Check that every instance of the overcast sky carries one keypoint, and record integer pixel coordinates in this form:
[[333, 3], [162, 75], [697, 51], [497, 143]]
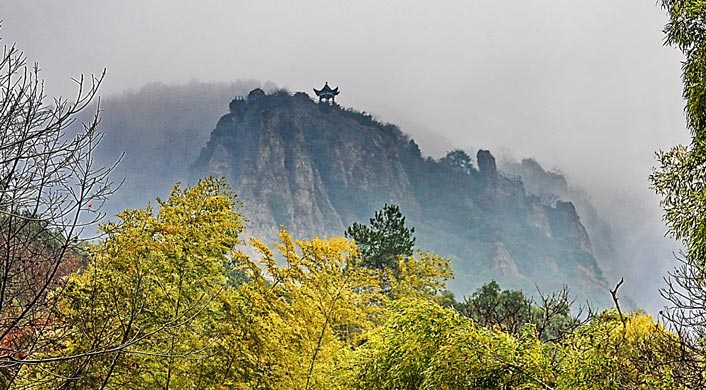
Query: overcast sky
[[585, 87]]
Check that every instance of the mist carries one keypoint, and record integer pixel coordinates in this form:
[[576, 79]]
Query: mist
[[584, 88]]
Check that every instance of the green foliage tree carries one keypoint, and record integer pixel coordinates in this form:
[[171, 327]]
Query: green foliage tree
[[490, 306], [681, 181], [511, 310], [458, 161], [387, 246], [384, 240]]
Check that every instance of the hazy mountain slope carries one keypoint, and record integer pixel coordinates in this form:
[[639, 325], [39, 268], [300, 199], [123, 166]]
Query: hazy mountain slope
[[316, 169], [552, 186], [160, 129]]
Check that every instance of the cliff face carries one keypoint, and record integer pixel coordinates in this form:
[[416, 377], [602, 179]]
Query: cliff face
[[316, 169], [312, 168], [552, 188]]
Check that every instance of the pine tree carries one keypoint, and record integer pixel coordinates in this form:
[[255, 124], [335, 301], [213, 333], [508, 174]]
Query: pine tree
[[384, 240]]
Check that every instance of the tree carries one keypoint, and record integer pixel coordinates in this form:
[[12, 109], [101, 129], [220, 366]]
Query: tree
[[50, 193], [511, 310], [154, 296], [681, 181], [422, 345], [491, 307], [305, 312], [421, 275], [681, 178], [615, 351], [458, 161], [384, 240]]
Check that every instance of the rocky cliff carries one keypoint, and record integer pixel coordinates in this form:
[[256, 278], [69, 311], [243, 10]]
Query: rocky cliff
[[317, 168], [552, 187]]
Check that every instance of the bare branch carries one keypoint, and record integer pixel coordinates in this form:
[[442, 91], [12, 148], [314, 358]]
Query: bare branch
[[50, 193], [614, 294]]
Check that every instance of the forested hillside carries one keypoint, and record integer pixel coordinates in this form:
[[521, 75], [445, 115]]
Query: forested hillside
[[167, 301]]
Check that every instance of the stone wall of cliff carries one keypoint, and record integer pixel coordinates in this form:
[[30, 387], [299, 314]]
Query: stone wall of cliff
[[316, 168]]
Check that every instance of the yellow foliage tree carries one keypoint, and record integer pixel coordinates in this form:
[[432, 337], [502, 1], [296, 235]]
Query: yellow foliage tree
[[423, 275], [303, 312], [168, 301], [155, 291], [611, 352], [425, 346]]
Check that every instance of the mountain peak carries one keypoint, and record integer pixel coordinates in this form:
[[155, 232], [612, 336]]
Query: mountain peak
[[316, 168]]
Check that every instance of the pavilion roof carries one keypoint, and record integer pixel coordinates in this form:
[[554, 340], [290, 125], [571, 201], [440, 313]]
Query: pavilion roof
[[326, 91]]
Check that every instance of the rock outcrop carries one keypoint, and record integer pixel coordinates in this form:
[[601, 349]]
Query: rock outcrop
[[311, 168], [486, 163], [552, 189]]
